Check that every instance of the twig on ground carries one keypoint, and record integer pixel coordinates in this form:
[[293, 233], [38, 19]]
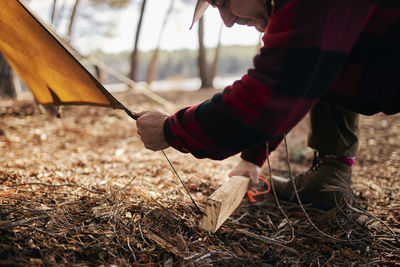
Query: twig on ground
[[123, 188], [277, 200], [58, 185], [10, 225], [358, 210], [130, 248], [203, 257], [267, 240], [330, 259], [238, 219]]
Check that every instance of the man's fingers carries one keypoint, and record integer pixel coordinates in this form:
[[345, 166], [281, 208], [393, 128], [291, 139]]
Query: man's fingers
[[238, 173], [253, 178], [155, 146], [254, 182], [141, 113]]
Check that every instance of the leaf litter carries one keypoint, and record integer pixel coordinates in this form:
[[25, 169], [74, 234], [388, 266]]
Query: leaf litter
[[81, 190]]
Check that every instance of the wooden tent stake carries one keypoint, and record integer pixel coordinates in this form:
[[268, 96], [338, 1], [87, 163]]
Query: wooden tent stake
[[221, 204]]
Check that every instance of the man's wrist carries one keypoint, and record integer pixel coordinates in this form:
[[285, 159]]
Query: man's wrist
[[171, 139], [168, 135]]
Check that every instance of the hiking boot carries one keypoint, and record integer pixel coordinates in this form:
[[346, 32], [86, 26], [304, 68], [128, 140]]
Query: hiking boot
[[324, 185]]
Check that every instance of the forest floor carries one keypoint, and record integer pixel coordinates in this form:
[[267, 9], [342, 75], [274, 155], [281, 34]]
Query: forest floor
[[81, 190]]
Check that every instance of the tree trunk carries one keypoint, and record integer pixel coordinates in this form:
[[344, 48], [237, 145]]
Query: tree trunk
[[202, 60], [72, 19], [7, 88], [214, 67], [53, 12], [134, 55], [151, 71]]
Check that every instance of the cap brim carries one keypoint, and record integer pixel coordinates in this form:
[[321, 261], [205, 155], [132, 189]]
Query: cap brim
[[201, 7]]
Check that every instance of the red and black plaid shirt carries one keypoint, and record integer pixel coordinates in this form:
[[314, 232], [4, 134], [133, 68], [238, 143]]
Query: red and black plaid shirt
[[341, 52]]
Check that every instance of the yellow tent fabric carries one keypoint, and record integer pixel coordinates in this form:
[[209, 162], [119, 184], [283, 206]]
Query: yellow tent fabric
[[50, 71]]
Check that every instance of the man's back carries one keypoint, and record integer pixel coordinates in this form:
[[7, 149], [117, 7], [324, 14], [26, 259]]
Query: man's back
[[369, 82]]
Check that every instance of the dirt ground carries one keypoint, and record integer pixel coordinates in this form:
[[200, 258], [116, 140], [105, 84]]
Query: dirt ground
[[81, 190]]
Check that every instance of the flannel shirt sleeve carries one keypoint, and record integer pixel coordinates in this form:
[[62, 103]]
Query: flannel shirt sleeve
[[305, 45]]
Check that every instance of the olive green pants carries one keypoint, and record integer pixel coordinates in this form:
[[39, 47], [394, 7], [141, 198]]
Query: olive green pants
[[333, 131]]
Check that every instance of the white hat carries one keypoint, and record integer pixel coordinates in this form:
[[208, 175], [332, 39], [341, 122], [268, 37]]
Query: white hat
[[199, 11]]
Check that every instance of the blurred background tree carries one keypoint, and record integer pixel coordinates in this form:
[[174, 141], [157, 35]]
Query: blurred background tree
[[7, 80], [134, 56], [205, 77], [152, 69]]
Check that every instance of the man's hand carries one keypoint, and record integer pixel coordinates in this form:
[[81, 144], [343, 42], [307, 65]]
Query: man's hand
[[247, 169], [150, 125]]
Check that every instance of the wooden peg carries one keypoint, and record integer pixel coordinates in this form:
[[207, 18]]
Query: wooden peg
[[221, 204]]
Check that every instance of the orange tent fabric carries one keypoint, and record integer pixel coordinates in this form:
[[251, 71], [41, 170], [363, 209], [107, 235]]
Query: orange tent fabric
[[50, 71]]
